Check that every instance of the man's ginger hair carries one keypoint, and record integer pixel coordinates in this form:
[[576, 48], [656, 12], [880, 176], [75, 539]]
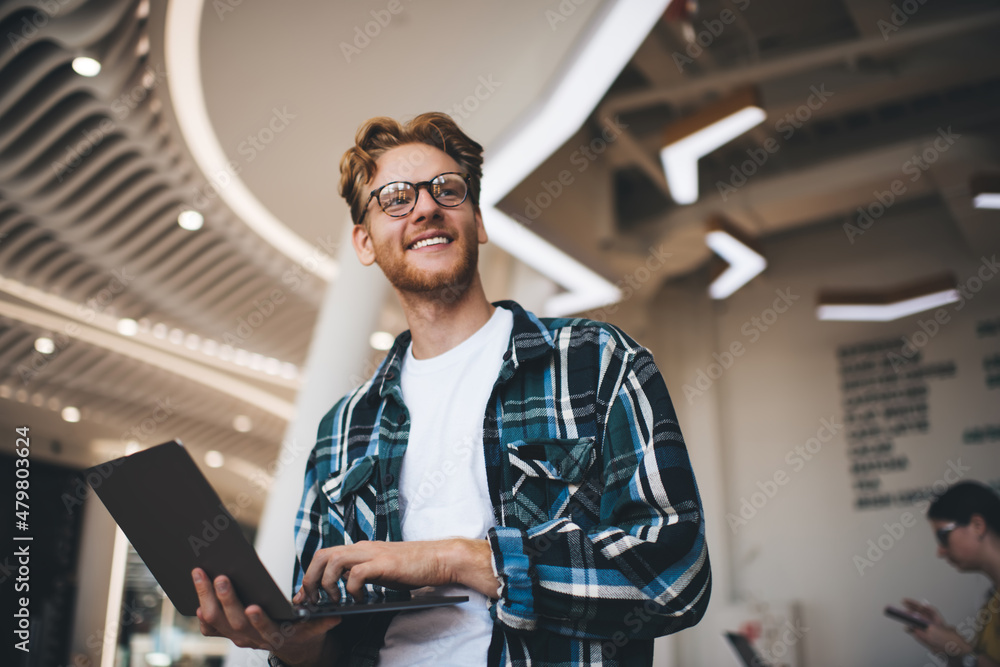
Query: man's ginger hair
[[378, 135]]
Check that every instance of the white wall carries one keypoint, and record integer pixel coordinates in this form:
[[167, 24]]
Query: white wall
[[800, 544]]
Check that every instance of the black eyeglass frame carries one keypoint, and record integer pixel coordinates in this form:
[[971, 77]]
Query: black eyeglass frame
[[944, 532], [416, 188]]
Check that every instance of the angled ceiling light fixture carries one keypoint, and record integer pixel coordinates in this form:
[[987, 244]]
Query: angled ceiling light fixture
[[732, 245], [985, 190], [887, 304], [691, 138]]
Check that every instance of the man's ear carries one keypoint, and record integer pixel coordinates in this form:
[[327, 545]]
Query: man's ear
[[480, 227], [363, 246]]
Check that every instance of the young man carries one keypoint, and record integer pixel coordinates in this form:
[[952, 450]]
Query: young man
[[535, 465]]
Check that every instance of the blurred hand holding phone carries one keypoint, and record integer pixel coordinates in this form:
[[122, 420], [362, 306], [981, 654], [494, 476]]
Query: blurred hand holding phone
[[911, 619]]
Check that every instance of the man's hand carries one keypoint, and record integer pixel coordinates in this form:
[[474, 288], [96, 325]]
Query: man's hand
[[222, 615], [400, 565]]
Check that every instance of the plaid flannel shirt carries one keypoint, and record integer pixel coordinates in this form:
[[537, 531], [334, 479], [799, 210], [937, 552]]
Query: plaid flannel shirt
[[599, 541]]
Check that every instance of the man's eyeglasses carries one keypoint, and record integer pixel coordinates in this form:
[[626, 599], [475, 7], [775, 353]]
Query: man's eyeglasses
[[943, 532], [398, 198]]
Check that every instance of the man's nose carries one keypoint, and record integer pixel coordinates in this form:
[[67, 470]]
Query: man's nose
[[426, 206]]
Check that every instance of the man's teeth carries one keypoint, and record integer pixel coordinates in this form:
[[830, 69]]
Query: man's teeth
[[432, 241]]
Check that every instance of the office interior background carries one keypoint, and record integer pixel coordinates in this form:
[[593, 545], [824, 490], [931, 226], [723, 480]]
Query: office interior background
[[818, 285]]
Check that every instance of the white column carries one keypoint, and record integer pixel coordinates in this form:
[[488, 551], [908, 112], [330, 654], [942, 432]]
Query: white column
[[337, 355], [99, 596]]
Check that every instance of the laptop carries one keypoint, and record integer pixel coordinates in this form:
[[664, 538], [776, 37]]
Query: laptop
[[748, 656], [176, 522]]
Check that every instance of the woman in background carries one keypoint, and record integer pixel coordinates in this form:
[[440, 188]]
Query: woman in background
[[966, 522]]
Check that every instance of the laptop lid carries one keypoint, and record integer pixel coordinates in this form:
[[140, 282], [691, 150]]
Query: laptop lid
[[176, 522], [748, 656]]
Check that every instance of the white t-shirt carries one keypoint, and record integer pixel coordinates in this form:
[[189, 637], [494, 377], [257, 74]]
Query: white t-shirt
[[443, 491]]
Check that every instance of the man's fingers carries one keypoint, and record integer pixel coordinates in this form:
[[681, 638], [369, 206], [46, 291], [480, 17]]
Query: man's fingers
[[312, 579], [206, 629], [231, 605], [265, 627], [209, 611], [358, 577]]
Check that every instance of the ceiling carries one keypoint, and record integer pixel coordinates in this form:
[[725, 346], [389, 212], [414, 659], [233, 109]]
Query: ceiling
[[94, 171]]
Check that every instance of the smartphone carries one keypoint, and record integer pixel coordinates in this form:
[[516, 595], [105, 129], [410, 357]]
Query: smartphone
[[897, 614]]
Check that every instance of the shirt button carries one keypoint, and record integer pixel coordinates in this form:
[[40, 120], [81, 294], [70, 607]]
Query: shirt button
[[401, 419], [388, 479], [506, 355]]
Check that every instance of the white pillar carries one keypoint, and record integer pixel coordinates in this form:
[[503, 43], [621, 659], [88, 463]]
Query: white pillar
[[337, 354], [99, 595]]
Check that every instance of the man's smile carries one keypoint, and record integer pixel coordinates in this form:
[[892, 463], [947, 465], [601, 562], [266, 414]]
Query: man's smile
[[429, 240]]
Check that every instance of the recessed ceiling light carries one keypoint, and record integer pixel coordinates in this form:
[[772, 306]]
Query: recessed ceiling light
[[71, 414], [987, 200], [190, 220], [745, 263], [45, 345], [159, 659], [890, 304], [142, 46], [214, 459], [381, 340], [242, 423], [85, 66], [986, 190], [127, 326], [691, 138]]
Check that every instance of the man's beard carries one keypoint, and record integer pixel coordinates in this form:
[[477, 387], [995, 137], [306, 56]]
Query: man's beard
[[448, 286]]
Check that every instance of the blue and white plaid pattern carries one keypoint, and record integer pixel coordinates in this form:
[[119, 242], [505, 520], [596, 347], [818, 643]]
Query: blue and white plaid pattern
[[599, 538]]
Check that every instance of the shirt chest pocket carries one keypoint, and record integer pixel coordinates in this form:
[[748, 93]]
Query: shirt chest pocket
[[352, 495], [549, 476]]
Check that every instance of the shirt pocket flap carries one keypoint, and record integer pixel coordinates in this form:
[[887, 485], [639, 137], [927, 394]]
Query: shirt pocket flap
[[350, 480], [566, 459]]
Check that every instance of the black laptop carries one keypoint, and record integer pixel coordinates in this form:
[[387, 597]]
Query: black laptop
[[176, 522], [748, 656]]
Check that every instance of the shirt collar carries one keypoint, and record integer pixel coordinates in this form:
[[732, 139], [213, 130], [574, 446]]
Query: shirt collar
[[529, 339]]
